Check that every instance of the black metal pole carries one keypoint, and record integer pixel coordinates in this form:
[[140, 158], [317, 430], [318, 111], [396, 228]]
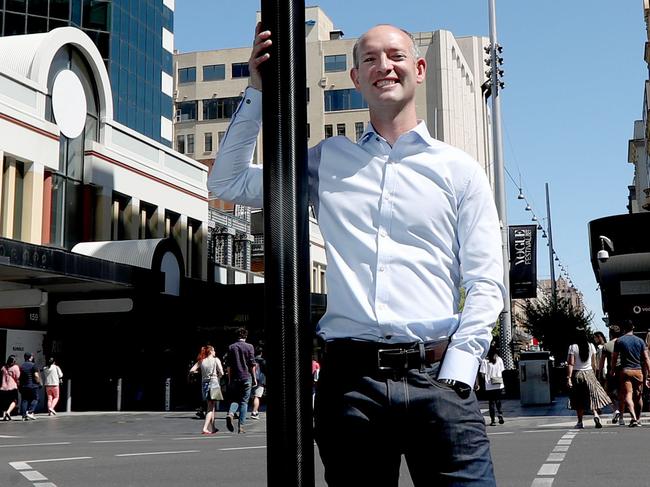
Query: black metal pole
[[290, 452]]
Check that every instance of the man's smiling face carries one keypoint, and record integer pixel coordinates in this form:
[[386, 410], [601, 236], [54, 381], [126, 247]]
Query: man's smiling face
[[388, 71]]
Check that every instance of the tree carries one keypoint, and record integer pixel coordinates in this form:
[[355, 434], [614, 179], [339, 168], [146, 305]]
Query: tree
[[553, 323]]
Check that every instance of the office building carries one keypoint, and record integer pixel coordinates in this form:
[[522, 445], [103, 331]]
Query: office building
[[135, 41]]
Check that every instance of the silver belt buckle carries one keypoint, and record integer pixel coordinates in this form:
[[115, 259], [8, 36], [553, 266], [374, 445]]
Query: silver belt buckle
[[400, 351]]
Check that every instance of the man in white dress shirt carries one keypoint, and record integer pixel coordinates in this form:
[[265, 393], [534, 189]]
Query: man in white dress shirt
[[407, 221]]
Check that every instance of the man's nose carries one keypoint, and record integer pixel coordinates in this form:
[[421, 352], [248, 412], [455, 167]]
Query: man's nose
[[385, 64]]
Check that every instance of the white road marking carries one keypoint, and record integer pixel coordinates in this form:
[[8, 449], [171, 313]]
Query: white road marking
[[156, 453], [34, 444], [44, 484], [9, 436], [57, 459], [556, 457], [243, 448], [20, 465], [119, 441], [542, 482], [549, 469], [502, 433], [553, 462], [33, 475]]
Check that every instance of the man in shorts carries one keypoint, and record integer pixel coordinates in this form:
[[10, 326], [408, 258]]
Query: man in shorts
[[634, 372]]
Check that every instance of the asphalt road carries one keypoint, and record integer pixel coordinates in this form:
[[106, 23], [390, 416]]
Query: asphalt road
[[532, 448]]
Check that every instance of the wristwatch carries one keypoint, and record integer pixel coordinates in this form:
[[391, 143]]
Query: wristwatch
[[461, 388]]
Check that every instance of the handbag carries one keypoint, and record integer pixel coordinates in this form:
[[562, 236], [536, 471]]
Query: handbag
[[215, 386], [496, 380]]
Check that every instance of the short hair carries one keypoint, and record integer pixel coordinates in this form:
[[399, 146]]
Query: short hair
[[27, 355], [415, 50], [627, 326], [242, 333]]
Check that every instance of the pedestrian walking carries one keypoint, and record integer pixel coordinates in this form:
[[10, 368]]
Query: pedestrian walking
[[9, 387], [30, 382], [609, 370], [586, 392], [241, 379], [315, 375], [492, 370], [211, 371], [260, 374], [599, 343], [633, 374], [407, 221], [52, 379]]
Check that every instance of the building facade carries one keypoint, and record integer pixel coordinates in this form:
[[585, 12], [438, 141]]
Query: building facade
[[209, 86], [135, 41]]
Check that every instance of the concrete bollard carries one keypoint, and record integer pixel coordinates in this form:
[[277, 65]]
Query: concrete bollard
[[119, 394], [168, 395], [68, 396]]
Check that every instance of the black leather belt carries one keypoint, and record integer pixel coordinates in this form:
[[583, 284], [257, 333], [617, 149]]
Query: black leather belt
[[384, 357]]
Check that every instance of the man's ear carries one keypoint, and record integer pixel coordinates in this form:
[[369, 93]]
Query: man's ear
[[421, 69], [354, 76]]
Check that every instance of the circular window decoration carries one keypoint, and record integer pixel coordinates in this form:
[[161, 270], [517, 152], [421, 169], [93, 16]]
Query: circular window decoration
[[69, 104]]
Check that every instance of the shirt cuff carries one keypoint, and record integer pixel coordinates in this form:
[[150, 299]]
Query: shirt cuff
[[460, 366], [251, 105]]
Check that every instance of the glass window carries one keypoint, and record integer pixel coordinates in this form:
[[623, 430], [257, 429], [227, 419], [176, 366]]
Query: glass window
[[340, 129], [76, 12], [207, 142], [96, 14], [214, 72], [240, 70], [36, 24], [36, 7], [56, 23], [220, 136], [220, 108], [328, 131], [14, 24], [346, 99], [308, 131], [186, 111], [187, 75], [358, 130], [16, 5], [60, 9], [190, 143], [335, 63], [180, 143]]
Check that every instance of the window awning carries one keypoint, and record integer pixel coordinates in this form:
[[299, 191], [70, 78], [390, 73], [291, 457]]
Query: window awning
[[624, 266], [160, 254]]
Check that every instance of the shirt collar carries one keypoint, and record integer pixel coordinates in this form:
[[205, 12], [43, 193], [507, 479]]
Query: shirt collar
[[420, 132]]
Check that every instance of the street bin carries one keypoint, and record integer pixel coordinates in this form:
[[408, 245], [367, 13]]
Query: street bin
[[534, 378]]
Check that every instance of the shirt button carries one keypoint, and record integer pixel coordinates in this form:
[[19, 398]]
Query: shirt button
[[248, 101], [383, 233], [387, 197], [377, 139], [382, 268]]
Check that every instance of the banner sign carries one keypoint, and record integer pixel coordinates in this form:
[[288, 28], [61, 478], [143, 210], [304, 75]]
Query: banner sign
[[523, 261]]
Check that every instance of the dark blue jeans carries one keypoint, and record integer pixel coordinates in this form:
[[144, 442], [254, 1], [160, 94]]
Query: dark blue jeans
[[28, 400], [364, 424], [241, 394]]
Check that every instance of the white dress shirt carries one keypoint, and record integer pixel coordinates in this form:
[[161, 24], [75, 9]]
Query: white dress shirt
[[404, 228]]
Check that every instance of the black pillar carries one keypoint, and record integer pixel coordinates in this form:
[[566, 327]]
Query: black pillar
[[290, 452]]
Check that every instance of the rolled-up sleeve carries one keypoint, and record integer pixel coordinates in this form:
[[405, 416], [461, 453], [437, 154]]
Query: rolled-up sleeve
[[481, 263]]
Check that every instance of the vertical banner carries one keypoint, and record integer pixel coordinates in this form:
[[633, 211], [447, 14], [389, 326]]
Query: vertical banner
[[523, 261]]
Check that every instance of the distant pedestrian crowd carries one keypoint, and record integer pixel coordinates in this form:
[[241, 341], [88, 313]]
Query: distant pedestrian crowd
[[22, 384]]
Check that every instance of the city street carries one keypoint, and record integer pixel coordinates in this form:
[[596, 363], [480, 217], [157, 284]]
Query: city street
[[535, 447]]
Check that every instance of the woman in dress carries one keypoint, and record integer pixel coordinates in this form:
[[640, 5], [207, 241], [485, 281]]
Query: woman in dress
[[52, 377], [211, 371], [9, 387], [585, 391], [492, 370]]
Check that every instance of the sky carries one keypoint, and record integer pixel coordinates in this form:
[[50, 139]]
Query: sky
[[574, 75]]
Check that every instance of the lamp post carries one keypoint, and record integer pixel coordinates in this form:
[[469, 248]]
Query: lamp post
[[505, 320], [550, 248]]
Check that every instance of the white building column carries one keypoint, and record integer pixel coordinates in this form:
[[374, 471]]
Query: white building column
[[8, 197]]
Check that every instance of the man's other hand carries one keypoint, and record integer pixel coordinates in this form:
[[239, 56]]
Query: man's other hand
[[261, 43]]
